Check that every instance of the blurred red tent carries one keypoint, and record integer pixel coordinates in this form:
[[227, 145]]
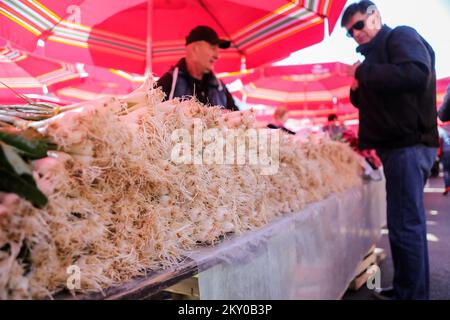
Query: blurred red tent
[[98, 82], [41, 79], [25, 74], [308, 91], [441, 88], [114, 34]]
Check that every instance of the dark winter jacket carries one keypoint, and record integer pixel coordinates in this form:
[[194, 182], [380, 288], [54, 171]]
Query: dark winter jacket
[[396, 97], [209, 90]]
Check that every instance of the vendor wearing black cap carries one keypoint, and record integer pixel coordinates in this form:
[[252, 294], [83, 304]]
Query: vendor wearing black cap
[[193, 75]]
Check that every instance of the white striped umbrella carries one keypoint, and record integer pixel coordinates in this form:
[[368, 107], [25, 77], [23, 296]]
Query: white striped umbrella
[[121, 34]]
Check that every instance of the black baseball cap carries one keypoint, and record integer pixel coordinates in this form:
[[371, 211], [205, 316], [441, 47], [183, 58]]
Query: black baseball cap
[[204, 33]]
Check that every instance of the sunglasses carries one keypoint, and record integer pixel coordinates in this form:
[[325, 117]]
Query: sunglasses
[[357, 26]]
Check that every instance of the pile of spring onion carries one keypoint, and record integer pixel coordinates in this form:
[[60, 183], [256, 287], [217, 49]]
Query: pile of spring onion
[[118, 206]]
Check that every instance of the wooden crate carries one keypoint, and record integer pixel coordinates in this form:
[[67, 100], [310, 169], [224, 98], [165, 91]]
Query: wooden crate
[[381, 255], [365, 269], [187, 289]]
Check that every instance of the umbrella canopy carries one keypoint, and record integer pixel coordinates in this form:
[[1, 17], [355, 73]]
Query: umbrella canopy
[[22, 73], [441, 87], [114, 34], [50, 80], [97, 82], [17, 79], [24, 22], [306, 90]]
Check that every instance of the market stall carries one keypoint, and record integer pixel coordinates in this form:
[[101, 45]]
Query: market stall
[[121, 193], [92, 32], [311, 254]]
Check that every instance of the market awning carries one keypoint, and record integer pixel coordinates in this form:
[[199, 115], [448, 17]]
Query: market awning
[[441, 88], [23, 73], [308, 91], [114, 34]]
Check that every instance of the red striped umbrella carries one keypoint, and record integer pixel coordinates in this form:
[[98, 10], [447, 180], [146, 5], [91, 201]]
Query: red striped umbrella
[[22, 73], [308, 91], [99, 82], [50, 80], [114, 33], [23, 22], [441, 88]]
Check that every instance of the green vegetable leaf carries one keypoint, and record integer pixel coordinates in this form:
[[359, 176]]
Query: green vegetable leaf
[[11, 182], [29, 142]]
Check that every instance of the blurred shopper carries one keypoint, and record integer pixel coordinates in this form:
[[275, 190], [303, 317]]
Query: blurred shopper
[[444, 110], [334, 128], [395, 92], [193, 75], [444, 131], [280, 117]]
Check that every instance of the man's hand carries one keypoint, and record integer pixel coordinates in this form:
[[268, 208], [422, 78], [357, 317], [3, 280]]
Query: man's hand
[[351, 71], [355, 85], [8, 203]]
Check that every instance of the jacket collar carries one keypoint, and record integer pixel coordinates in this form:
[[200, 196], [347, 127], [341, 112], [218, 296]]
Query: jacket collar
[[366, 48], [209, 78]]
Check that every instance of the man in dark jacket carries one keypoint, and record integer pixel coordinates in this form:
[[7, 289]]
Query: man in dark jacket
[[193, 75], [395, 92]]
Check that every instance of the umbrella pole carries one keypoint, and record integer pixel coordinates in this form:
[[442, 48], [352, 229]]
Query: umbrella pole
[[148, 60], [326, 27]]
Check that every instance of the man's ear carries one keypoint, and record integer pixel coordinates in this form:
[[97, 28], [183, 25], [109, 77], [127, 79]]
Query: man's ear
[[197, 46], [192, 50], [377, 20], [374, 21]]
